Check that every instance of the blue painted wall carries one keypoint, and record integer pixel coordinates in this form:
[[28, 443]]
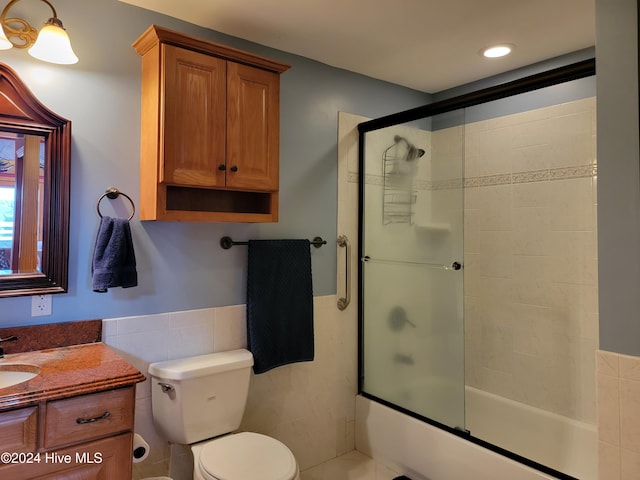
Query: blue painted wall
[[618, 175], [181, 265]]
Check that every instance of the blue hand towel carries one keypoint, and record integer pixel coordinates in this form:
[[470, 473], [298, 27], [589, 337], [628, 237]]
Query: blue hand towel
[[279, 303], [114, 261]]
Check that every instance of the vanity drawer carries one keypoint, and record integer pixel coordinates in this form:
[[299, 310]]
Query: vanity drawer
[[18, 430], [105, 459], [90, 416]]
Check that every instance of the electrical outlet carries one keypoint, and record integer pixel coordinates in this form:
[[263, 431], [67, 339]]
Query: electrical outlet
[[40, 305]]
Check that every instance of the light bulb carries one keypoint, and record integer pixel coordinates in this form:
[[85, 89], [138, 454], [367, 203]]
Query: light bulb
[[5, 44]]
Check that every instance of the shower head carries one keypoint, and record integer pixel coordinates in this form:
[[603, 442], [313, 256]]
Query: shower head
[[398, 319]]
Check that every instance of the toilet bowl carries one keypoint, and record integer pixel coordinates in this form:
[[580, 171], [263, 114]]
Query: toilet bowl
[[243, 456], [199, 401]]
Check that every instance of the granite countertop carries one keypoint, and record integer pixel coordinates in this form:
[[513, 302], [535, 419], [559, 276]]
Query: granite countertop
[[66, 372]]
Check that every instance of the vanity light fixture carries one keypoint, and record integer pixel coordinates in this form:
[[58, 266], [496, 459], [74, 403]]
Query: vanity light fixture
[[51, 44], [496, 51]]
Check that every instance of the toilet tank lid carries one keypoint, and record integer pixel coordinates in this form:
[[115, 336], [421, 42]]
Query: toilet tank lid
[[201, 365]]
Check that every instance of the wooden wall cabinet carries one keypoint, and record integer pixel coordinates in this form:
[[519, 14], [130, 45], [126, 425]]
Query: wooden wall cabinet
[[85, 437], [210, 131]]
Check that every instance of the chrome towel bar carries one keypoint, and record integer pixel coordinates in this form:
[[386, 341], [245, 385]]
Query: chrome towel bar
[[227, 242]]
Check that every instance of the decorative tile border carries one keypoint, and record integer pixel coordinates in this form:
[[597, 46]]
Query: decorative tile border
[[564, 173], [529, 177]]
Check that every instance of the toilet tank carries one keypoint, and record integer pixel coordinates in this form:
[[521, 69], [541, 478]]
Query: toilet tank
[[200, 397]]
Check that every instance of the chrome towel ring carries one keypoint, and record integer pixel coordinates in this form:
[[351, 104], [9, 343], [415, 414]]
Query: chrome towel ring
[[113, 193]]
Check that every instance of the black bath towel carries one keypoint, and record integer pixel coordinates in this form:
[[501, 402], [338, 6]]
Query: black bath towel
[[114, 261], [279, 303]]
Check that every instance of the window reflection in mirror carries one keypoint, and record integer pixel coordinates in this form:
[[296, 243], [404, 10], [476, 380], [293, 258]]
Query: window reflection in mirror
[[21, 202]]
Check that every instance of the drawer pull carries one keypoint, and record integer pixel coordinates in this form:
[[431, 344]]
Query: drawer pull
[[81, 421]]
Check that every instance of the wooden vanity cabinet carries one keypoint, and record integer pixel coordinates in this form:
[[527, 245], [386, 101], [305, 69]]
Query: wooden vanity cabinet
[[84, 437], [210, 131]]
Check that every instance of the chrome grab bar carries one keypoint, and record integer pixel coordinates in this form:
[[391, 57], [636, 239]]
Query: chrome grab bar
[[344, 302]]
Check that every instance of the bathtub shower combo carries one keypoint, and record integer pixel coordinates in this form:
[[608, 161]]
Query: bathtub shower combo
[[461, 323]]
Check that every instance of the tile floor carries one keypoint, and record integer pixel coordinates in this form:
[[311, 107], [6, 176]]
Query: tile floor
[[350, 466]]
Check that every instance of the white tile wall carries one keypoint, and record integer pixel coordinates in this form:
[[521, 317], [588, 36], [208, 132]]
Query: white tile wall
[[309, 406], [531, 310], [618, 416]]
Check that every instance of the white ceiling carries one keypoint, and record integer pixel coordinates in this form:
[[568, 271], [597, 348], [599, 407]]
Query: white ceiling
[[428, 45]]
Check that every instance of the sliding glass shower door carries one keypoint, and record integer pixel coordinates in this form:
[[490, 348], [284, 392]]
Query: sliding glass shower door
[[411, 248]]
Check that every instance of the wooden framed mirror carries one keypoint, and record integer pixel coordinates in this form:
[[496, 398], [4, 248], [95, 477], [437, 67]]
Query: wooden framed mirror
[[35, 151]]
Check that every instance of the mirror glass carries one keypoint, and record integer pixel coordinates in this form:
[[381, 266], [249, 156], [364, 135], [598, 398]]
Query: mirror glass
[[34, 192], [21, 202]]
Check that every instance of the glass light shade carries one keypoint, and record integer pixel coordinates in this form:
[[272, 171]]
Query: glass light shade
[[53, 45], [5, 44]]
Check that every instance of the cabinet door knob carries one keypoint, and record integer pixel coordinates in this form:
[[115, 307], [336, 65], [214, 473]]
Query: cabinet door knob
[[234, 168], [222, 167]]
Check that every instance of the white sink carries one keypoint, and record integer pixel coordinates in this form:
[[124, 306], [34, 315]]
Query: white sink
[[12, 373]]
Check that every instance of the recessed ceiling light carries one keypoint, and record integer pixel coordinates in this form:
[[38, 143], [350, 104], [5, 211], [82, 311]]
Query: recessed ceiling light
[[496, 51]]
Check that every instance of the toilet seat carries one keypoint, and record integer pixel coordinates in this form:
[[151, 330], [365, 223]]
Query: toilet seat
[[246, 456]]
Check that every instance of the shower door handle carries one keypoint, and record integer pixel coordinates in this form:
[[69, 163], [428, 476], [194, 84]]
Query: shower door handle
[[344, 302]]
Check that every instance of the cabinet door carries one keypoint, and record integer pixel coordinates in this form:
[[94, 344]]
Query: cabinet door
[[106, 459], [253, 125], [18, 430], [193, 143]]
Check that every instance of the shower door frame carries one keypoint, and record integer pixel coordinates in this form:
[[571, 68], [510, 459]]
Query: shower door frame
[[574, 71]]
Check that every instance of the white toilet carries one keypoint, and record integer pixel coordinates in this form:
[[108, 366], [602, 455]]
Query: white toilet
[[199, 401]]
